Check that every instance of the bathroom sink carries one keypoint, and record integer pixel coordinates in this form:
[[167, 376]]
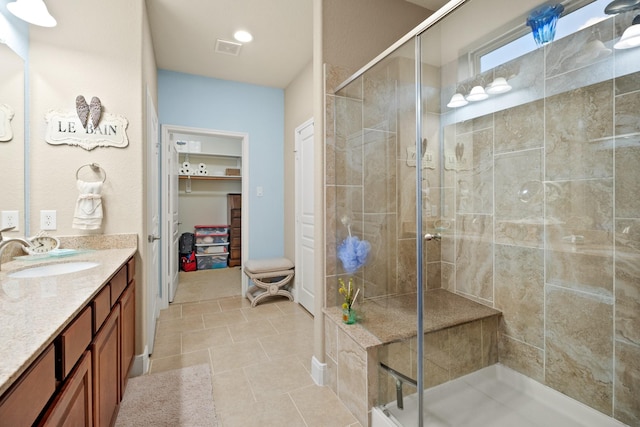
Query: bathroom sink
[[53, 269]]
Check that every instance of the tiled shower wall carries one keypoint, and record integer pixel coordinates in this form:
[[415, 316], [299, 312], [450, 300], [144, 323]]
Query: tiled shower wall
[[543, 207], [547, 221]]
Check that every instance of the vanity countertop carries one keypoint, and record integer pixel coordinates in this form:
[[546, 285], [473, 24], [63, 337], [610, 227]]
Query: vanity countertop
[[34, 311]]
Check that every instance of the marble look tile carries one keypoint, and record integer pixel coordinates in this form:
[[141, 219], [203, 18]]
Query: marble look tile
[[198, 308], [474, 257], [180, 324], [628, 83], [352, 387], [571, 141], [379, 98], [231, 390], [466, 349], [566, 53], [627, 185], [273, 377], [519, 288], [580, 271], [433, 275], [379, 172], [204, 338], [178, 361], [489, 340], [320, 407], [627, 280], [230, 317], [331, 223], [331, 339], [579, 346], [292, 343], [582, 207], [519, 197], [521, 357], [399, 356], [627, 384], [251, 330], [167, 345], [237, 355], [262, 413], [330, 140], [380, 272], [406, 257], [626, 118], [519, 128], [334, 75], [474, 186]]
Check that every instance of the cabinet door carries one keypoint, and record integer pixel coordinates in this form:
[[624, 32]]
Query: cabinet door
[[73, 405], [105, 352], [22, 404], [128, 333]]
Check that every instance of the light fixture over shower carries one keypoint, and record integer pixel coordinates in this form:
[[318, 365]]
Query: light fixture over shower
[[32, 11]]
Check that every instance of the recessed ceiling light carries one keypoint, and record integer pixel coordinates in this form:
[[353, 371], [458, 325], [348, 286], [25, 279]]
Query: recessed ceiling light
[[243, 36]]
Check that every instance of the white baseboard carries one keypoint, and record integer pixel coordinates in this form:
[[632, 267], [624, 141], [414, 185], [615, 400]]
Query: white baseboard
[[140, 364], [318, 371]]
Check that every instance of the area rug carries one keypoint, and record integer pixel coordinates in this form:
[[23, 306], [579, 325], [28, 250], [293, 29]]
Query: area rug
[[181, 397]]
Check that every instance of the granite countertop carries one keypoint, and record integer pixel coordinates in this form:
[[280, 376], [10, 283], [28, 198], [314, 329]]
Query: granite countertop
[[386, 320], [33, 311]]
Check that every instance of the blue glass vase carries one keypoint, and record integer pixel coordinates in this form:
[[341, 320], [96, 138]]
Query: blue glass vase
[[543, 22]]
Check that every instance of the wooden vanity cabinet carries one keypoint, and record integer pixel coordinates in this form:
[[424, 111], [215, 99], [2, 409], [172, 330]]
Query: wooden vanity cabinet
[[79, 380], [22, 403]]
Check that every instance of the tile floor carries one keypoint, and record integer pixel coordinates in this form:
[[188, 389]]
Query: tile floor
[[260, 357]]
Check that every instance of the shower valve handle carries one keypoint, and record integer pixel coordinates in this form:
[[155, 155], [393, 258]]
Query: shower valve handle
[[428, 237]]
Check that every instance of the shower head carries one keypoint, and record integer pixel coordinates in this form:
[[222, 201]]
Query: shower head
[[620, 6]]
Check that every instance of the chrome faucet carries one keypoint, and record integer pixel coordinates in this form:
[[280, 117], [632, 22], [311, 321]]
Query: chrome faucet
[[5, 242]]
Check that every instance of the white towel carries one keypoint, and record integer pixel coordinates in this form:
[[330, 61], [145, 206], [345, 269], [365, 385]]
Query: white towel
[[88, 214]]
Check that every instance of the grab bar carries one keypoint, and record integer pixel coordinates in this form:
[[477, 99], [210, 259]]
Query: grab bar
[[400, 379]]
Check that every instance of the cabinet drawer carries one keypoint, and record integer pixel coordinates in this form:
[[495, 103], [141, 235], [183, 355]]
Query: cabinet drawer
[[101, 307], [131, 270], [236, 213], [236, 223], [235, 241], [73, 342], [235, 253], [21, 405], [118, 283]]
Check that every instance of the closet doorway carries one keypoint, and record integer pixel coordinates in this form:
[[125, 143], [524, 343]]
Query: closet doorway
[[200, 168]]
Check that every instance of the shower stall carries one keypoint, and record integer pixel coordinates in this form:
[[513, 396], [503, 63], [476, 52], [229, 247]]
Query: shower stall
[[495, 177]]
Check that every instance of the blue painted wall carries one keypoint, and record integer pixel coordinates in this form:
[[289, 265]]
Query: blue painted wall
[[189, 100]]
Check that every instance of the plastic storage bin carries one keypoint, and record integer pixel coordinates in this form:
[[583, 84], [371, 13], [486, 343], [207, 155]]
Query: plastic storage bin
[[208, 239], [208, 230], [218, 248], [208, 262]]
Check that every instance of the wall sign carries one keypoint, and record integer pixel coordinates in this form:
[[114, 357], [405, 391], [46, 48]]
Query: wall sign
[[6, 114], [65, 127]]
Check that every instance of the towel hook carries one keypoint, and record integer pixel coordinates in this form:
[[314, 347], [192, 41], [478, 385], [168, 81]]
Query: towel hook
[[95, 168]]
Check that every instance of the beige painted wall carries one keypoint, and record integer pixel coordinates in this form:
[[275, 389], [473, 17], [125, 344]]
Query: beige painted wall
[[112, 58], [356, 31], [298, 108]]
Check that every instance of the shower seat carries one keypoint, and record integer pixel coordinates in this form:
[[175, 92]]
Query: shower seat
[[271, 277]]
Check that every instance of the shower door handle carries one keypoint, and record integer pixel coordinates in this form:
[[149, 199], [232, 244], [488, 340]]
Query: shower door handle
[[428, 237]]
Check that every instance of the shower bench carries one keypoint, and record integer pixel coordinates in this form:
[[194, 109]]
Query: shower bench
[[460, 337]]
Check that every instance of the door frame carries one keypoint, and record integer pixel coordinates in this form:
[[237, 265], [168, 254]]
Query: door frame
[[166, 234]]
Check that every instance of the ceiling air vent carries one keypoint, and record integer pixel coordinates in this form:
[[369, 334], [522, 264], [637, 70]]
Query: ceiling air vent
[[227, 47]]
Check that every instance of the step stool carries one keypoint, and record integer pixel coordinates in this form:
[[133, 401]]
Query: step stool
[[270, 276]]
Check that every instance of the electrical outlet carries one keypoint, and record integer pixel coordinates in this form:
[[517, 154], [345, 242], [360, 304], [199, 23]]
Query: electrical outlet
[[48, 220], [10, 219]]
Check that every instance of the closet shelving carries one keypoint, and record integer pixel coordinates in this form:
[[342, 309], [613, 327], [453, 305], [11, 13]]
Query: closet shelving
[[216, 165]]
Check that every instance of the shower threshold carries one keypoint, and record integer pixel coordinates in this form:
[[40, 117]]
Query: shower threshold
[[493, 396]]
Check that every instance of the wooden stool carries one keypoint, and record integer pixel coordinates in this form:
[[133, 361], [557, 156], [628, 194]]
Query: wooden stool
[[270, 277]]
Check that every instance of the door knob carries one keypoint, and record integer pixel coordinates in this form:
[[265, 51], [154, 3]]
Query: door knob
[[429, 237], [151, 238]]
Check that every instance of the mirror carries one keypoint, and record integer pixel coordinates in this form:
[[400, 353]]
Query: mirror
[[12, 135]]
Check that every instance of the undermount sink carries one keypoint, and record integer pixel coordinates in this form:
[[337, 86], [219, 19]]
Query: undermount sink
[[53, 269]]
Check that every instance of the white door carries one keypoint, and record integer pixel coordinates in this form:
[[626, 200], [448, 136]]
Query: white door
[[304, 282], [171, 265], [154, 290]]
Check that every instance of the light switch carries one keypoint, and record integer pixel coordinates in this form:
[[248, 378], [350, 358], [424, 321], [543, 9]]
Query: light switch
[[259, 192]]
